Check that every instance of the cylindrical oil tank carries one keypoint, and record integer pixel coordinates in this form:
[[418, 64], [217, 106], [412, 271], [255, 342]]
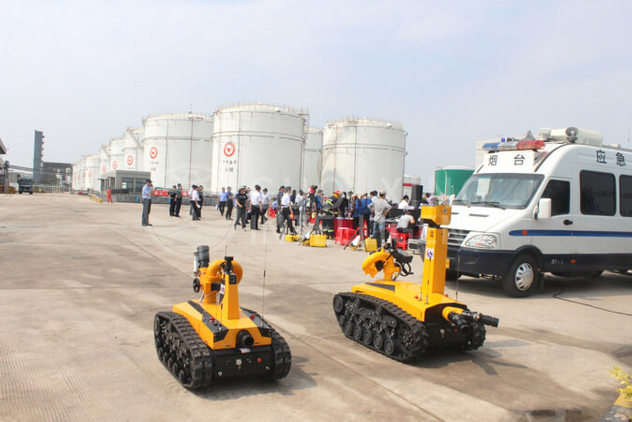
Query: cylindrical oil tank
[[449, 180], [92, 172], [104, 163], [257, 143], [116, 153], [311, 157], [177, 148], [79, 175], [362, 155], [133, 149]]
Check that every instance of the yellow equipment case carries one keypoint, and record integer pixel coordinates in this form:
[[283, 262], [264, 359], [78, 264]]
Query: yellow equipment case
[[203, 340], [318, 240]]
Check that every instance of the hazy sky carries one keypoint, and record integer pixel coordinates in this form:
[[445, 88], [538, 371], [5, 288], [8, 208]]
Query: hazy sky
[[450, 71]]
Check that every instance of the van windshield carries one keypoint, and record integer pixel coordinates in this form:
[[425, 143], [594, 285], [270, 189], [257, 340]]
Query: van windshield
[[500, 190]]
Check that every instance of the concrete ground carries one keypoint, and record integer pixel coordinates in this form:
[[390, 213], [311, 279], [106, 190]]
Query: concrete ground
[[80, 283]]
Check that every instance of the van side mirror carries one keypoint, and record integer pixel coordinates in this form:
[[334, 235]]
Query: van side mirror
[[544, 209]]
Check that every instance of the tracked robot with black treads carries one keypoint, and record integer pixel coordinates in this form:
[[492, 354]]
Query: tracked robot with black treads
[[403, 320], [213, 338]]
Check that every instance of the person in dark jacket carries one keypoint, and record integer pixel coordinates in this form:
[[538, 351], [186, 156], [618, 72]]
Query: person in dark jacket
[[241, 202], [230, 203], [172, 201], [201, 193]]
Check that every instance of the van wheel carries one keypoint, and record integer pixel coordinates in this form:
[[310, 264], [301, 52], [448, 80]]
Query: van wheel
[[523, 276]]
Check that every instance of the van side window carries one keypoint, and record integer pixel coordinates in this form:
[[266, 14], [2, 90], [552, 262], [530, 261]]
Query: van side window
[[625, 193], [597, 193], [560, 193]]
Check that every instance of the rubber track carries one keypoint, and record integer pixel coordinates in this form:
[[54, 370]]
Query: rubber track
[[417, 327], [280, 350], [199, 373]]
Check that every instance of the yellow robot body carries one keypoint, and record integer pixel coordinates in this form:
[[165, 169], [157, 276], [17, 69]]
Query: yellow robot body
[[403, 319], [203, 340]]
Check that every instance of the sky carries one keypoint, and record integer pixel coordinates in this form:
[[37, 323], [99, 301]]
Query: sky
[[452, 72]]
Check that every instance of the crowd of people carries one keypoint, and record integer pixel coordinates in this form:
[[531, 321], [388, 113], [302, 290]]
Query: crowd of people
[[295, 208]]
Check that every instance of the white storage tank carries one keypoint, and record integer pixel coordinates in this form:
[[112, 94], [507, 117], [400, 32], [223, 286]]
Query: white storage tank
[[116, 153], [177, 148], [362, 155], [79, 175], [104, 164], [257, 143], [92, 172], [312, 157], [133, 150]]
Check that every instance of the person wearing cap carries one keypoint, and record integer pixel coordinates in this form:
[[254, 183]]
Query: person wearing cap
[[148, 192], [241, 200], [256, 199], [230, 203], [195, 203], [265, 204]]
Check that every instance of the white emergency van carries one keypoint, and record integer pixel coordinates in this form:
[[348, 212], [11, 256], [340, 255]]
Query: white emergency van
[[562, 204]]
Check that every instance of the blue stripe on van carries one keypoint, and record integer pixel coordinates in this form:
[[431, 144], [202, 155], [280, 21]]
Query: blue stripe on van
[[569, 233]]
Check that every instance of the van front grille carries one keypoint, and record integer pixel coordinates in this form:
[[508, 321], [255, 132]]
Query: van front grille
[[456, 237]]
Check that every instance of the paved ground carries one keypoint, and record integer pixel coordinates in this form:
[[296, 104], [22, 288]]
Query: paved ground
[[80, 283]]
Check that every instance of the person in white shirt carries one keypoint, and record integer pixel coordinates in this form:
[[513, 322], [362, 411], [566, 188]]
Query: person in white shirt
[[255, 207], [148, 192], [265, 204], [195, 203], [404, 204], [286, 203], [405, 222]]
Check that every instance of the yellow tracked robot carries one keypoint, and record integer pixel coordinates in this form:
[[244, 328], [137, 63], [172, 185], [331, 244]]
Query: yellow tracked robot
[[211, 338], [401, 319]]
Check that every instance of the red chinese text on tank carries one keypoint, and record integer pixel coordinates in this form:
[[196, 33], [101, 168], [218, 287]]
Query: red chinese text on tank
[[90, 173], [103, 169], [229, 149], [130, 160], [114, 165], [153, 152]]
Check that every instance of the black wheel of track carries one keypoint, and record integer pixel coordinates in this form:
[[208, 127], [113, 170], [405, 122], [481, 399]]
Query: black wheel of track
[[367, 337], [182, 352], [405, 340], [281, 356], [156, 328], [397, 334], [389, 347], [339, 304], [348, 328], [378, 341], [357, 332], [478, 337], [341, 320]]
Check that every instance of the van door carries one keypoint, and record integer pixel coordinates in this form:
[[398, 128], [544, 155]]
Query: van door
[[554, 237], [595, 218]]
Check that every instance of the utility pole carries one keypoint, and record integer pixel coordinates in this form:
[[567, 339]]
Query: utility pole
[[6, 176], [38, 156]]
